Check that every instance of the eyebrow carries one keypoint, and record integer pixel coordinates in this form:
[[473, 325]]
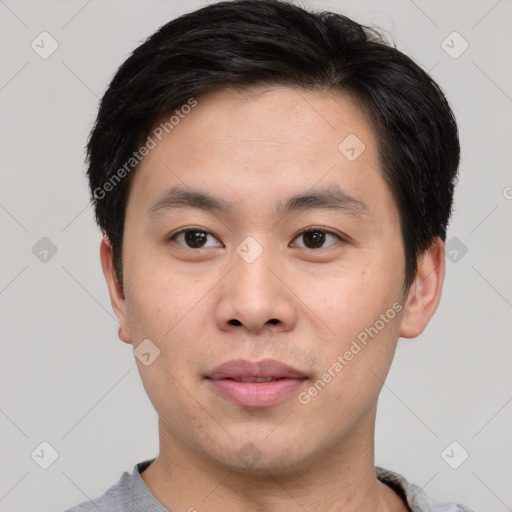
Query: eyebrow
[[328, 198]]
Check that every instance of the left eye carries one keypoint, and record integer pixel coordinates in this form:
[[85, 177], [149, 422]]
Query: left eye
[[315, 238]]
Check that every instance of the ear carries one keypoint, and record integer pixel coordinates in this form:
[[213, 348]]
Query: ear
[[115, 291], [425, 293]]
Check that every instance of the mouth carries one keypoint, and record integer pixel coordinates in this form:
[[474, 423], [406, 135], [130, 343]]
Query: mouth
[[255, 384], [256, 379]]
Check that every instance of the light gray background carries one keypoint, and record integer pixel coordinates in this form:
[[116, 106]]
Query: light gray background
[[68, 380]]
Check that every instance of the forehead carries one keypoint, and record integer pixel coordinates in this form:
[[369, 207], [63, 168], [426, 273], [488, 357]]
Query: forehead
[[259, 145]]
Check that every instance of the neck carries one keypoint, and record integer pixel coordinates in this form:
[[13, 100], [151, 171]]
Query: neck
[[342, 478]]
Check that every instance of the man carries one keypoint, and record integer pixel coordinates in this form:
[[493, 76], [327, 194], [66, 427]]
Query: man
[[274, 187]]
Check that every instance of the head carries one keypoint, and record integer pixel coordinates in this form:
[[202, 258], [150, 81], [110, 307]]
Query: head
[[254, 103]]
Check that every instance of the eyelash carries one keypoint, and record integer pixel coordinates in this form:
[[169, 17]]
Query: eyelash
[[340, 237]]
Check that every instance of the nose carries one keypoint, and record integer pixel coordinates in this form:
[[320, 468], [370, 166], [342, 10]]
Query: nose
[[255, 296]]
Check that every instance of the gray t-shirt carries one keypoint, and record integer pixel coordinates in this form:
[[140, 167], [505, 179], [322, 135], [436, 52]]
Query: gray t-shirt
[[131, 494]]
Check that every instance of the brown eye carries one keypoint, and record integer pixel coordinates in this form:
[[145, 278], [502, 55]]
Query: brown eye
[[192, 238], [316, 238]]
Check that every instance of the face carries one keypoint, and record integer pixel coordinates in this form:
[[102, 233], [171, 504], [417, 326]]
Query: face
[[250, 274]]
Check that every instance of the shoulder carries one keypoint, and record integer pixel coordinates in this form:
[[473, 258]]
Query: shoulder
[[414, 495], [116, 499], [129, 494]]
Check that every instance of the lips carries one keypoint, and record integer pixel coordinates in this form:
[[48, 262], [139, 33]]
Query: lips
[[247, 371], [256, 384]]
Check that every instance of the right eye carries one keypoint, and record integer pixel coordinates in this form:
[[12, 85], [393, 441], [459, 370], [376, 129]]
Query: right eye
[[193, 238]]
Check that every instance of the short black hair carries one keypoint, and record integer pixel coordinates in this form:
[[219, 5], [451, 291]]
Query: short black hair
[[245, 43]]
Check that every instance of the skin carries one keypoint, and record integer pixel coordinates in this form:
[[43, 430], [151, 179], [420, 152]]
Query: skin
[[244, 147]]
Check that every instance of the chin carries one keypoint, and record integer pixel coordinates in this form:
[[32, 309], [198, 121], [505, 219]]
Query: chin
[[260, 457]]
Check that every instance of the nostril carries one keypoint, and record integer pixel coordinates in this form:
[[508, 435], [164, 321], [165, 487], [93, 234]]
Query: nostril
[[234, 321]]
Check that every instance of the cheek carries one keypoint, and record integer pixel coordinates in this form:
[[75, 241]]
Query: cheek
[[166, 308], [351, 299], [173, 311], [161, 299], [362, 311]]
